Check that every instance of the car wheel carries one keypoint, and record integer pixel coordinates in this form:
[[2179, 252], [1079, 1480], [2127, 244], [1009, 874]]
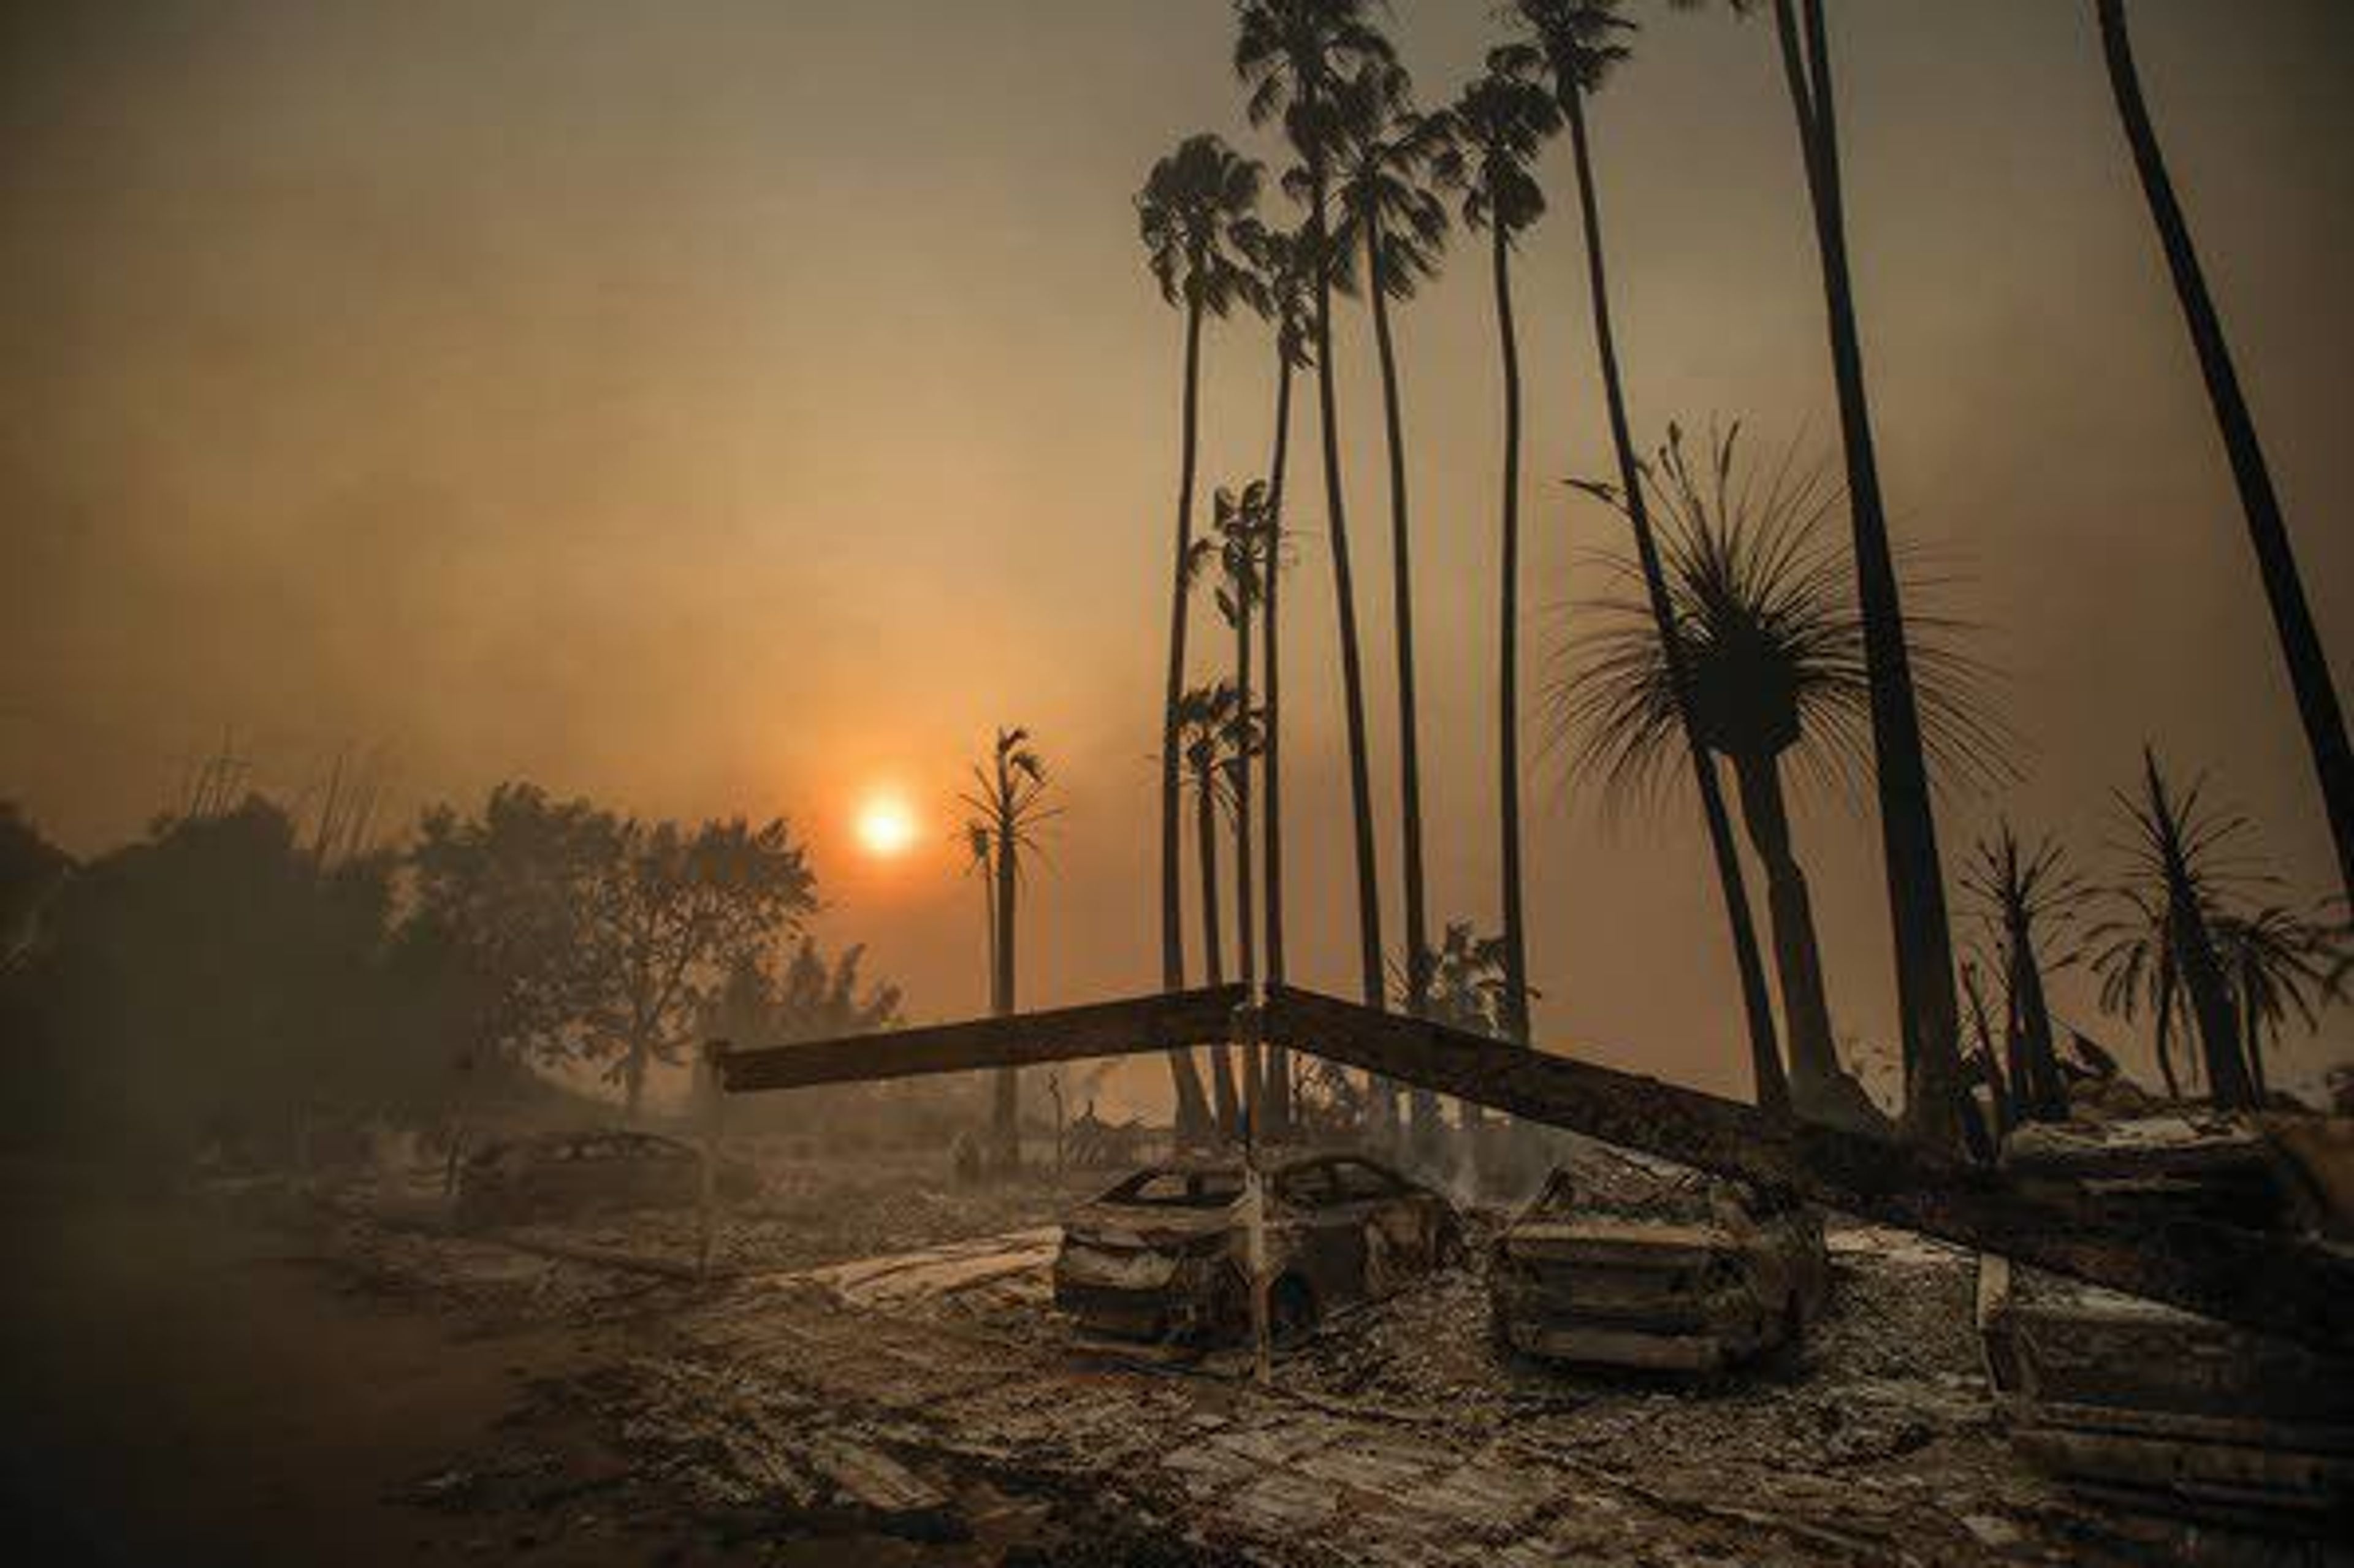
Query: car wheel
[[1291, 1312]]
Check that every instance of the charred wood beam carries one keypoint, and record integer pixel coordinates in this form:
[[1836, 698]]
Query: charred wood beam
[[1125, 1028], [2287, 1284]]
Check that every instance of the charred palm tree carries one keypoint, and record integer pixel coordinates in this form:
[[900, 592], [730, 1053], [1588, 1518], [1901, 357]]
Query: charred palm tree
[[1292, 56], [2300, 642], [2281, 961], [2180, 866], [1191, 212], [1575, 47], [1391, 220], [2026, 899], [1773, 666], [1495, 133], [1008, 801], [1206, 717]]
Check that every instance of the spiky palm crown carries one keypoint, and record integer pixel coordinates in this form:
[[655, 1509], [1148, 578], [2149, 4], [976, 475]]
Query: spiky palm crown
[[2016, 890], [1494, 136], [1760, 590], [1382, 155], [1242, 546], [2180, 854], [1575, 43], [2285, 961], [1291, 55], [1212, 734], [1008, 793], [1191, 214]]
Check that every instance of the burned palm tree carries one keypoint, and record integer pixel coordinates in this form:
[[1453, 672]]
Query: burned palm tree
[[2180, 866], [2026, 897], [1773, 670], [1293, 55], [2283, 962], [1495, 131], [1008, 803], [1207, 734]]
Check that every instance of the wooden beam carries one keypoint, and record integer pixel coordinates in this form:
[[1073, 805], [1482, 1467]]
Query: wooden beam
[[2287, 1284], [1125, 1028]]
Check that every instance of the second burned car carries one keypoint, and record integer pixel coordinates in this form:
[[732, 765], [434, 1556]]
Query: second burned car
[[1164, 1256]]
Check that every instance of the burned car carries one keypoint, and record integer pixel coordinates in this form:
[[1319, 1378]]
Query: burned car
[[1630, 1263], [556, 1175], [1163, 1257], [2154, 1408]]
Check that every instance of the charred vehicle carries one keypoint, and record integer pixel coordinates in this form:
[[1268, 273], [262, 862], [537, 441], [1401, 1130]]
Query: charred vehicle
[[1164, 1256], [556, 1175], [1648, 1266], [2161, 1409]]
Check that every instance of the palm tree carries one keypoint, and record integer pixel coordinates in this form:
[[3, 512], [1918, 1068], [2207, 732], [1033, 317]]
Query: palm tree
[[2280, 961], [1496, 130], [1382, 154], [1288, 292], [2178, 871], [1008, 801], [980, 840], [1189, 213], [2300, 643], [1575, 43], [2026, 897], [1206, 717], [1293, 55], [1929, 1014], [1774, 669]]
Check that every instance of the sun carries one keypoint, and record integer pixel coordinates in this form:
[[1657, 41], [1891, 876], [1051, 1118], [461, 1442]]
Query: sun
[[886, 827]]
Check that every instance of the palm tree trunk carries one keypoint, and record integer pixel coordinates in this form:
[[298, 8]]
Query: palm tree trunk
[[2041, 1054], [1274, 1099], [1798, 955], [1172, 932], [1246, 900], [1764, 1057], [2210, 1003], [1508, 661], [1353, 677], [1222, 1065], [2300, 642], [1005, 1126], [1931, 1018], [2252, 1031]]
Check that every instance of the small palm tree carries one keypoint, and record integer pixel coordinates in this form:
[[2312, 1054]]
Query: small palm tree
[[2281, 961], [2026, 898], [1207, 720], [1494, 134], [2180, 868], [1008, 803], [1191, 214], [1292, 56], [1390, 216], [979, 838], [1574, 47]]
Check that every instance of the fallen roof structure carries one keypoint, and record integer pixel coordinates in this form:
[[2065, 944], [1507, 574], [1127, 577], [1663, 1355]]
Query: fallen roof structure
[[2293, 1285]]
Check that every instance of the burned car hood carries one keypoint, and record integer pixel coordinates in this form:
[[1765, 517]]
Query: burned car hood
[[1146, 1227], [1598, 1238]]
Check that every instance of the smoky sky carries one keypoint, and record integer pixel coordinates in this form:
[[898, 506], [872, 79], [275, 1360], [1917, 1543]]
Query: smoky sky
[[725, 407]]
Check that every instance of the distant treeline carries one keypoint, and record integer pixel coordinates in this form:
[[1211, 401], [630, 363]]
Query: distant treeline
[[228, 978]]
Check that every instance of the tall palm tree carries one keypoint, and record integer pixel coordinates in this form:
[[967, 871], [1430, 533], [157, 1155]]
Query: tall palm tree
[[1293, 55], [1390, 216], [2179, 869], [1189, 214], [1573, 44], [1288, 289], [1206, 717], [1496, 130], [1243, 545], [1008, 799], [1773, 670], [2027, 897], [1930, 1015], [2300, 643]]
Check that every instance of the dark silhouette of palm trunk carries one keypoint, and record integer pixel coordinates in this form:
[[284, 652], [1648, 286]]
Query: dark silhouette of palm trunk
[[2006, 1115], [1245, 895], [1005, 1128], [2166, 1049], [2211, 1004], [1798, 954], [2252, 1029], [2300, 642], [1764, 1057], [1417, 939], [1275, 1094], [1916, 894], [1508, 659], [1192, 1111], [1352, 676], [1222, 1067], [2044, 1095]]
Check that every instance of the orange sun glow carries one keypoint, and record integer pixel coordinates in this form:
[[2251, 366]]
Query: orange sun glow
[[885, 826]]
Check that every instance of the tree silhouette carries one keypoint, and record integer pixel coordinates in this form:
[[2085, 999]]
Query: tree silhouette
[[1207, 718], [2026, 898], [1574, 47], [1008, 797], [1292, 56], [2300, 643], [1494, 135], [2281, 961]]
